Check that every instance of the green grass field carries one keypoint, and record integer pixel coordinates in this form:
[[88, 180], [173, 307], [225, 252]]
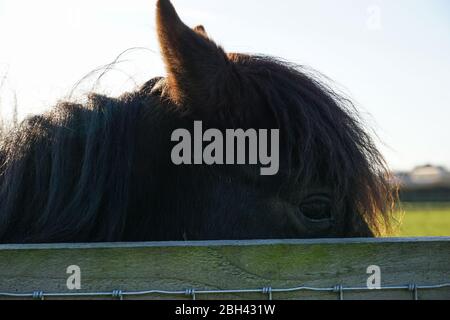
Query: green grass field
[[425, 219]]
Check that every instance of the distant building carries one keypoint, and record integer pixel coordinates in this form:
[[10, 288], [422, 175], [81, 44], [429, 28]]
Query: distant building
[[424, 183]]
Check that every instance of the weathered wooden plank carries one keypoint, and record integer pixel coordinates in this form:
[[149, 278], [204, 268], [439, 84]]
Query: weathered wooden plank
[[232, 265]]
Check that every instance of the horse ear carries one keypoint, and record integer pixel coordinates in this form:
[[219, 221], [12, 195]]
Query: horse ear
[[192, 60]]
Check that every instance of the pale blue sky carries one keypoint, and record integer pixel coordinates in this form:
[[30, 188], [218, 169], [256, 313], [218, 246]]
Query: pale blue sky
[[391, 56]]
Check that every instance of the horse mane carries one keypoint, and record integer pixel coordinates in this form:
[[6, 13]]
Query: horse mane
[[64, 174], [327, 141]]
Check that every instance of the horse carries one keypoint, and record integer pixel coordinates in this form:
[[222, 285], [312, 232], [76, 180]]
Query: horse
[[101, 171]]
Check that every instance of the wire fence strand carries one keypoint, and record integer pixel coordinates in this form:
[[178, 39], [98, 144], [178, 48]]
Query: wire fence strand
[[193, 293]]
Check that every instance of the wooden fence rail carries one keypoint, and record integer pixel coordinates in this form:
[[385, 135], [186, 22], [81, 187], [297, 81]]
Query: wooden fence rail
[[263, 268]]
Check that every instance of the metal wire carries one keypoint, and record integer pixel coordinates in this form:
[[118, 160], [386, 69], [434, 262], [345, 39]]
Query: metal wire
[[120, 295]]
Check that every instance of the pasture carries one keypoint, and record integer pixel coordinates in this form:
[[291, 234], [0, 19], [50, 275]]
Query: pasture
[[425, 220]]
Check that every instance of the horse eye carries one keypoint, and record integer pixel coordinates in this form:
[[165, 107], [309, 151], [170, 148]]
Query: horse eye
[[316, 207]]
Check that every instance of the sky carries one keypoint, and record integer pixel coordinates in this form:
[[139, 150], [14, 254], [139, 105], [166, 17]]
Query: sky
[[392, 57]]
